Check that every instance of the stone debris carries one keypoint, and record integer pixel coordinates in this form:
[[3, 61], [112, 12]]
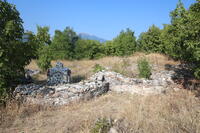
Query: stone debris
[[58, 74], [31, 72], [60, 94], [162, 78], [157, 84], [27, 79], [99, 83]]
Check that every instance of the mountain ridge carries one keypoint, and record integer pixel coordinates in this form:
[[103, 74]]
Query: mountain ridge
[[87, 36]]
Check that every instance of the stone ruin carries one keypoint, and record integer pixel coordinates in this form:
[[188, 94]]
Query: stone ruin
[[58, 75], [58, 91]]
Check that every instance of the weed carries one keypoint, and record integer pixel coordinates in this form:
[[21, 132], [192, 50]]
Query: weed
[[144, 68], [98, 68], [102, 125]]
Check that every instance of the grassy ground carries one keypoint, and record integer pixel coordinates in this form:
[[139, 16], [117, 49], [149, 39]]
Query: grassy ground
[[173, 112]]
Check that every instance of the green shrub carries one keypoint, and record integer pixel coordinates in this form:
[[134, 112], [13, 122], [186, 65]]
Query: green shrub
[[3, 94], [197, 73], [98, 68], [144, 68], [102, 126], [44, 61]]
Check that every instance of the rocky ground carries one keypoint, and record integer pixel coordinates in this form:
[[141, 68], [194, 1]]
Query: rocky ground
[[114, 98], [98, 84]]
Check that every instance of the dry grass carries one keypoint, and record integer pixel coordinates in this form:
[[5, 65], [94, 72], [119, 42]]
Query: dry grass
[[174, 112], [124, 65]]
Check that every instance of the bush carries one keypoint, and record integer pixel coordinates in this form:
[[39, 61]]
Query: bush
[[124, 44], [98, 68], [197, 73], [102, 126], [88, 49], [44, 62], [144, 68]]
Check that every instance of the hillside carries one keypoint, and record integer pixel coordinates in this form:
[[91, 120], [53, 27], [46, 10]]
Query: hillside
[[174, 111], [86, 36]]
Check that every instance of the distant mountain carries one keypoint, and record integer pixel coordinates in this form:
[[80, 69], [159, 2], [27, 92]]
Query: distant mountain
[[86, 36]]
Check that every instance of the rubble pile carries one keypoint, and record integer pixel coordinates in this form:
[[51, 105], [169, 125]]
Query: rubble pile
[[157, 84], [60, 94], [58, 91], [163, 78]]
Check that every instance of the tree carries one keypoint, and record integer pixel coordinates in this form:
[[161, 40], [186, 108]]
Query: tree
[[43, 36], [174, 39], [63, 44], [10, 21], [150, 41], [109, 48], [13, 51], [166, 36], [32, 46], [89, 49], [192, 36], [125, 43], [182, 37]]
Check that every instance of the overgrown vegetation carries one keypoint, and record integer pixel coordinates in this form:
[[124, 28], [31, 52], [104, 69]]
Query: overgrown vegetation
[[180, 40], [44, 61], [144, 68], [15, 53]]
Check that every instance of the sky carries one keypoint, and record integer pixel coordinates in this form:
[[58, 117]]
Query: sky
[[103, 18]]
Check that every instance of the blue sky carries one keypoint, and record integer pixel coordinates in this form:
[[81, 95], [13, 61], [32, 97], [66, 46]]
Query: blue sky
[[103, 18]]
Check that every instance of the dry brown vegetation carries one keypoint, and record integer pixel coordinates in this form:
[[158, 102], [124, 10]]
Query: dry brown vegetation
[[173, 112], [124, 65]]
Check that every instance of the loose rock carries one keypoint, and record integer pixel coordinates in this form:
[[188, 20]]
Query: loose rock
[[98, 84]]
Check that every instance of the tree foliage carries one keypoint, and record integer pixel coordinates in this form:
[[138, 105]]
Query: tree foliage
[[44, 61], [43, 36], [180, 39], [125, 43], [150, 41], [63, 44], [184, 34], [32, 44], [88, 49], [109, 49], [14, 52]]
